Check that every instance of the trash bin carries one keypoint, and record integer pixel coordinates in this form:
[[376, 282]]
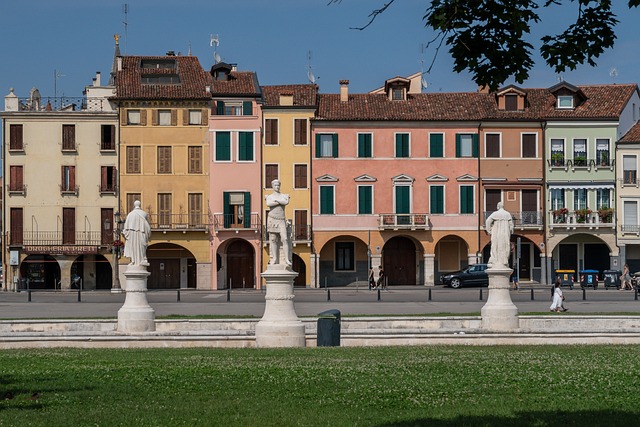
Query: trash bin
[[612, 278], [589, 278], [566, 277], [328, 329]]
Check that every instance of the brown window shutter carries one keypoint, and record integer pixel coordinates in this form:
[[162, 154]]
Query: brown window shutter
[[114, 177], [154, 117], [205, 117], [112, 138], [16, 226], [72, 178], [62, 183], [103, 178], [174, 117], [185, 117], [143, 117], [124, 114]]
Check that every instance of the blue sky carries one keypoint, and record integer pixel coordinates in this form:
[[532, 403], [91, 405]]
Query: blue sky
[[273, 38]]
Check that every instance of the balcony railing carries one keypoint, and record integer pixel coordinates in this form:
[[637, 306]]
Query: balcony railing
[[581, 162], [581, 218], [179, 222], [299, 233], [235, 222], [64, 104], [524, 219], [403, 221], [631, 228], [59, 238]]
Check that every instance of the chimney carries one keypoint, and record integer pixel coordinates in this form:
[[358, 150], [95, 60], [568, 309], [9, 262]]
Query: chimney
[[344, 90], [119, 63], [286, 99], [96, 81], [483, 89]]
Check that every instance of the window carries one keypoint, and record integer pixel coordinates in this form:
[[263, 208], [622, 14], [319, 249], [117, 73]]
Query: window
[[106, 229], [131, 198], [402, 145], [602, 152], [557, 198], [630, 216], [466, 145], [436, 145], [345, 256], [326, 145], [107, 137], [300, 176], [300, 137], [133, 159], [237, 210], [270, 173], [164, 159], [529, 146], [579, 198], [234, 108], [16, 137], [565, 101], [195, 210], [603, 198], [195, 117], [245, 146], [195, 160], [164, 210], [402, 195], [557, 152], [436, 199], [151, 63], [16, 237], [397, 94], [327, 193], [155, 79], [365, 199], [466, 199], [164, 117], [68, 226], [68, 182], [511, 102], [223, 146], [629, 170], [133, 117], [16, 179], [492, 148], [69, 137], [108, 179], [365, 149], [580, 152], [271, 132], [491, 199], [300, 228]]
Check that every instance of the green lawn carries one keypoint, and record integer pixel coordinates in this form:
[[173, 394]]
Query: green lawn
[[389, 386]]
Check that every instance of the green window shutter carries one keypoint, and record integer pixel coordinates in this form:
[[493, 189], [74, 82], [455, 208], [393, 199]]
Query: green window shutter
[[437, 200], [318, 146], [474, 146], [466, 199], [245, 143], [364, 145], [457, 145], [326, 200], [226, 209], [402, 145], [436, 143], [402, 199], [334, 145], [247, 210], [223, 146], [247, 108], [220, 108], [364, 200]]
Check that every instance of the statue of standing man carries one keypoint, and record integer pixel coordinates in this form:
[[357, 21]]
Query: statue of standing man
[[137, 232], [500, 226], [277, 226]]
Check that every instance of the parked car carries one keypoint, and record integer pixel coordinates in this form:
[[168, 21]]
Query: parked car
[[473, 275]]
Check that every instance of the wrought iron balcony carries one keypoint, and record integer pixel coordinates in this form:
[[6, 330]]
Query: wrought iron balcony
[[631, 229], [232, 222], [299, 234], [63, 104], [403, 221], [180, 222], [524, 219], [60, 238]]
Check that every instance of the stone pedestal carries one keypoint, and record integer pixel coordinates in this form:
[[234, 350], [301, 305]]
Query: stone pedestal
[[499, 314], [279, 326], [136, 315]]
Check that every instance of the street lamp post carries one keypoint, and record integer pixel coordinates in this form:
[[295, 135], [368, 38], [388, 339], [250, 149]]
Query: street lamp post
[[117, 245]]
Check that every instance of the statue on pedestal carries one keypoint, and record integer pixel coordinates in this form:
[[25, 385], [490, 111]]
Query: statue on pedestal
[[137, 233], [500, 226], [277, 227]]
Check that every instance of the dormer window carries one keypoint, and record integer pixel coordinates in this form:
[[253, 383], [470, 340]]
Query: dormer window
[[397, 94], [565, 101], [511, 102]]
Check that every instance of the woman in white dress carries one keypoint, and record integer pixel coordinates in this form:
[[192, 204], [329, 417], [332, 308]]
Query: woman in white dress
[[558, 298]]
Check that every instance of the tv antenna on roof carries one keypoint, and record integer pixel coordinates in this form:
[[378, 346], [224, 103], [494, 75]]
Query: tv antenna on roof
[[613, 73], [125, 11], [310, 76], [423, 81], [56, 76], [215, 42]]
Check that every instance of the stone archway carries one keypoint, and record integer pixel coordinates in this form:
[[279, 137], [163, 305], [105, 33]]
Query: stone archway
[[399, 261], [171, 267], [240, 264], [300, 268], [39, 272]]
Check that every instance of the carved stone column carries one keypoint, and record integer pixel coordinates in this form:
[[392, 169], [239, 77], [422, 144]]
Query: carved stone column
[[499, 314], [136, 315]]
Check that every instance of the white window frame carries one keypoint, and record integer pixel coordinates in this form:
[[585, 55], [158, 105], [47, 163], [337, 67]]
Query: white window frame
[[562, 101], [358, 199], [499, 144]]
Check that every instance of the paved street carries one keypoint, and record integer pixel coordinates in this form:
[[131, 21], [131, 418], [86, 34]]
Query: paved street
[[308, 302]]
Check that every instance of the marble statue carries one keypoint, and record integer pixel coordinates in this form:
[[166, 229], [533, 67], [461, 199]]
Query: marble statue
[[277, 227], [137, 232], [500, 226]]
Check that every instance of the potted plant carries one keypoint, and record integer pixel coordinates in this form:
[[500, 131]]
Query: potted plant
[[580, 161], [604, 158], [560, 215], [582, 214], [557, 159], [605, 214]]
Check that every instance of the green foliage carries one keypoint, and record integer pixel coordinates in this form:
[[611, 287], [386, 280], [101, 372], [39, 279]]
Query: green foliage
[[373, 386]]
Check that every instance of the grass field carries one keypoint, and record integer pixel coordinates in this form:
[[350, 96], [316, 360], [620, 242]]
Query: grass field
[[389, 386]]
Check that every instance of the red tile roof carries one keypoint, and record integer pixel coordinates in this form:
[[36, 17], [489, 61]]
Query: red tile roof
[[193, 79], [240, 83], [304, 95], [632, 136]]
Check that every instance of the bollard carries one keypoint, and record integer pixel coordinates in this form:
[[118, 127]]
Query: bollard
[[29, 295], [178, 295], [378, 294], [584, 294], [635, 290], [228, 294], [531, 294], [328, 294], [480, 294], [79, 297], [429, 294]]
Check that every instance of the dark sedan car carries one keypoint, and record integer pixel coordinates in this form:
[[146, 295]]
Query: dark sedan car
[[474, 275]]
